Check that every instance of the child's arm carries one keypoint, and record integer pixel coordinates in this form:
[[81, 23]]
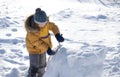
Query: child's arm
[[53, 28]]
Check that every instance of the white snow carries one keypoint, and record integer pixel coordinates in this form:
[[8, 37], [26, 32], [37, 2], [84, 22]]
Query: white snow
[[90, 27]]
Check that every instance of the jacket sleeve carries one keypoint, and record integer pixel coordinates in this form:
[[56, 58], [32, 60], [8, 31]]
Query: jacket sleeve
[[53, 28], [37, 42]]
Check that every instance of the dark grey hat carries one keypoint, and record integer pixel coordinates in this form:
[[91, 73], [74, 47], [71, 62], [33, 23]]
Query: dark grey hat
[[40, 16]]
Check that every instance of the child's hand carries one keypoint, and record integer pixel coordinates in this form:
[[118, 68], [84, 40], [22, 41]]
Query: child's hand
[[50, 52], [59, 37]]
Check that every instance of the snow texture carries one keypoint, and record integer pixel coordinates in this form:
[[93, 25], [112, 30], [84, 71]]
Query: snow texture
[[90, 27]]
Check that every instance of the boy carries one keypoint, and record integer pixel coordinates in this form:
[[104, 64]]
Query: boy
[[38, 41]]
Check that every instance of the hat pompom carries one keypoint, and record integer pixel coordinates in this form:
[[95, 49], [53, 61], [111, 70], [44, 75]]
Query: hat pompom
[[40, 16], [38, 10]]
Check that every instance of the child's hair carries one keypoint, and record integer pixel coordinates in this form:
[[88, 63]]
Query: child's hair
[[30, 25]]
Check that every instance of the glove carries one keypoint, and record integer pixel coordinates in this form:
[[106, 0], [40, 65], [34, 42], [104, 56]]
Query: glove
[[50, 52], [59, 37]]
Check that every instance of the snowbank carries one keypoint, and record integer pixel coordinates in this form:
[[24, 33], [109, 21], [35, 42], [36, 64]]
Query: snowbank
[[76, 63]]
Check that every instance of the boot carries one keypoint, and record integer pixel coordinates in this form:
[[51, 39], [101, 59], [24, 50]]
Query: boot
[[32, 72], [41, 71]]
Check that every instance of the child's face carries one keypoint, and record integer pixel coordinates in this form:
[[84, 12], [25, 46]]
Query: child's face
[[42, 24]]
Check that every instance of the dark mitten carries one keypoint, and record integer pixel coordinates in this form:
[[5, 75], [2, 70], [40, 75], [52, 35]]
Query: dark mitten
[[50, 52], [59, 37]]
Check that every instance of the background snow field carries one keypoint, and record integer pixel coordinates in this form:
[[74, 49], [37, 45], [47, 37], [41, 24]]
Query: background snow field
[[91, 29]]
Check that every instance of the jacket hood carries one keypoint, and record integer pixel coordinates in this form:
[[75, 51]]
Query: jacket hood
[[30, 25]]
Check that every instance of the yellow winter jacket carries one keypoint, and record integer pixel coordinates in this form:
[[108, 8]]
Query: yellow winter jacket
[[38, 40]]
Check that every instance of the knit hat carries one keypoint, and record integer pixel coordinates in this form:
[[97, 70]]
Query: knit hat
[[40, 16]]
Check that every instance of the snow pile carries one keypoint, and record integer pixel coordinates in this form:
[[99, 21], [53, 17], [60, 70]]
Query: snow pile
[[76, 63]]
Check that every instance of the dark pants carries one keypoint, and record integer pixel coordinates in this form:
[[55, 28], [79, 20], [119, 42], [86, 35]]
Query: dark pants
[[37, 65]]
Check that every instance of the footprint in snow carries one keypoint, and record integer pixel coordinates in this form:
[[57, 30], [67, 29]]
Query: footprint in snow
[[8, 34], [14, 30], [2, 51]]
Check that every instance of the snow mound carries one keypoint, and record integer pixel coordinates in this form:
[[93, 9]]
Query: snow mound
[[76, 63]]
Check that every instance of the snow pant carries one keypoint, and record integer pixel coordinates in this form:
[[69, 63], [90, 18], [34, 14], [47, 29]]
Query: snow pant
[[37, 65]]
